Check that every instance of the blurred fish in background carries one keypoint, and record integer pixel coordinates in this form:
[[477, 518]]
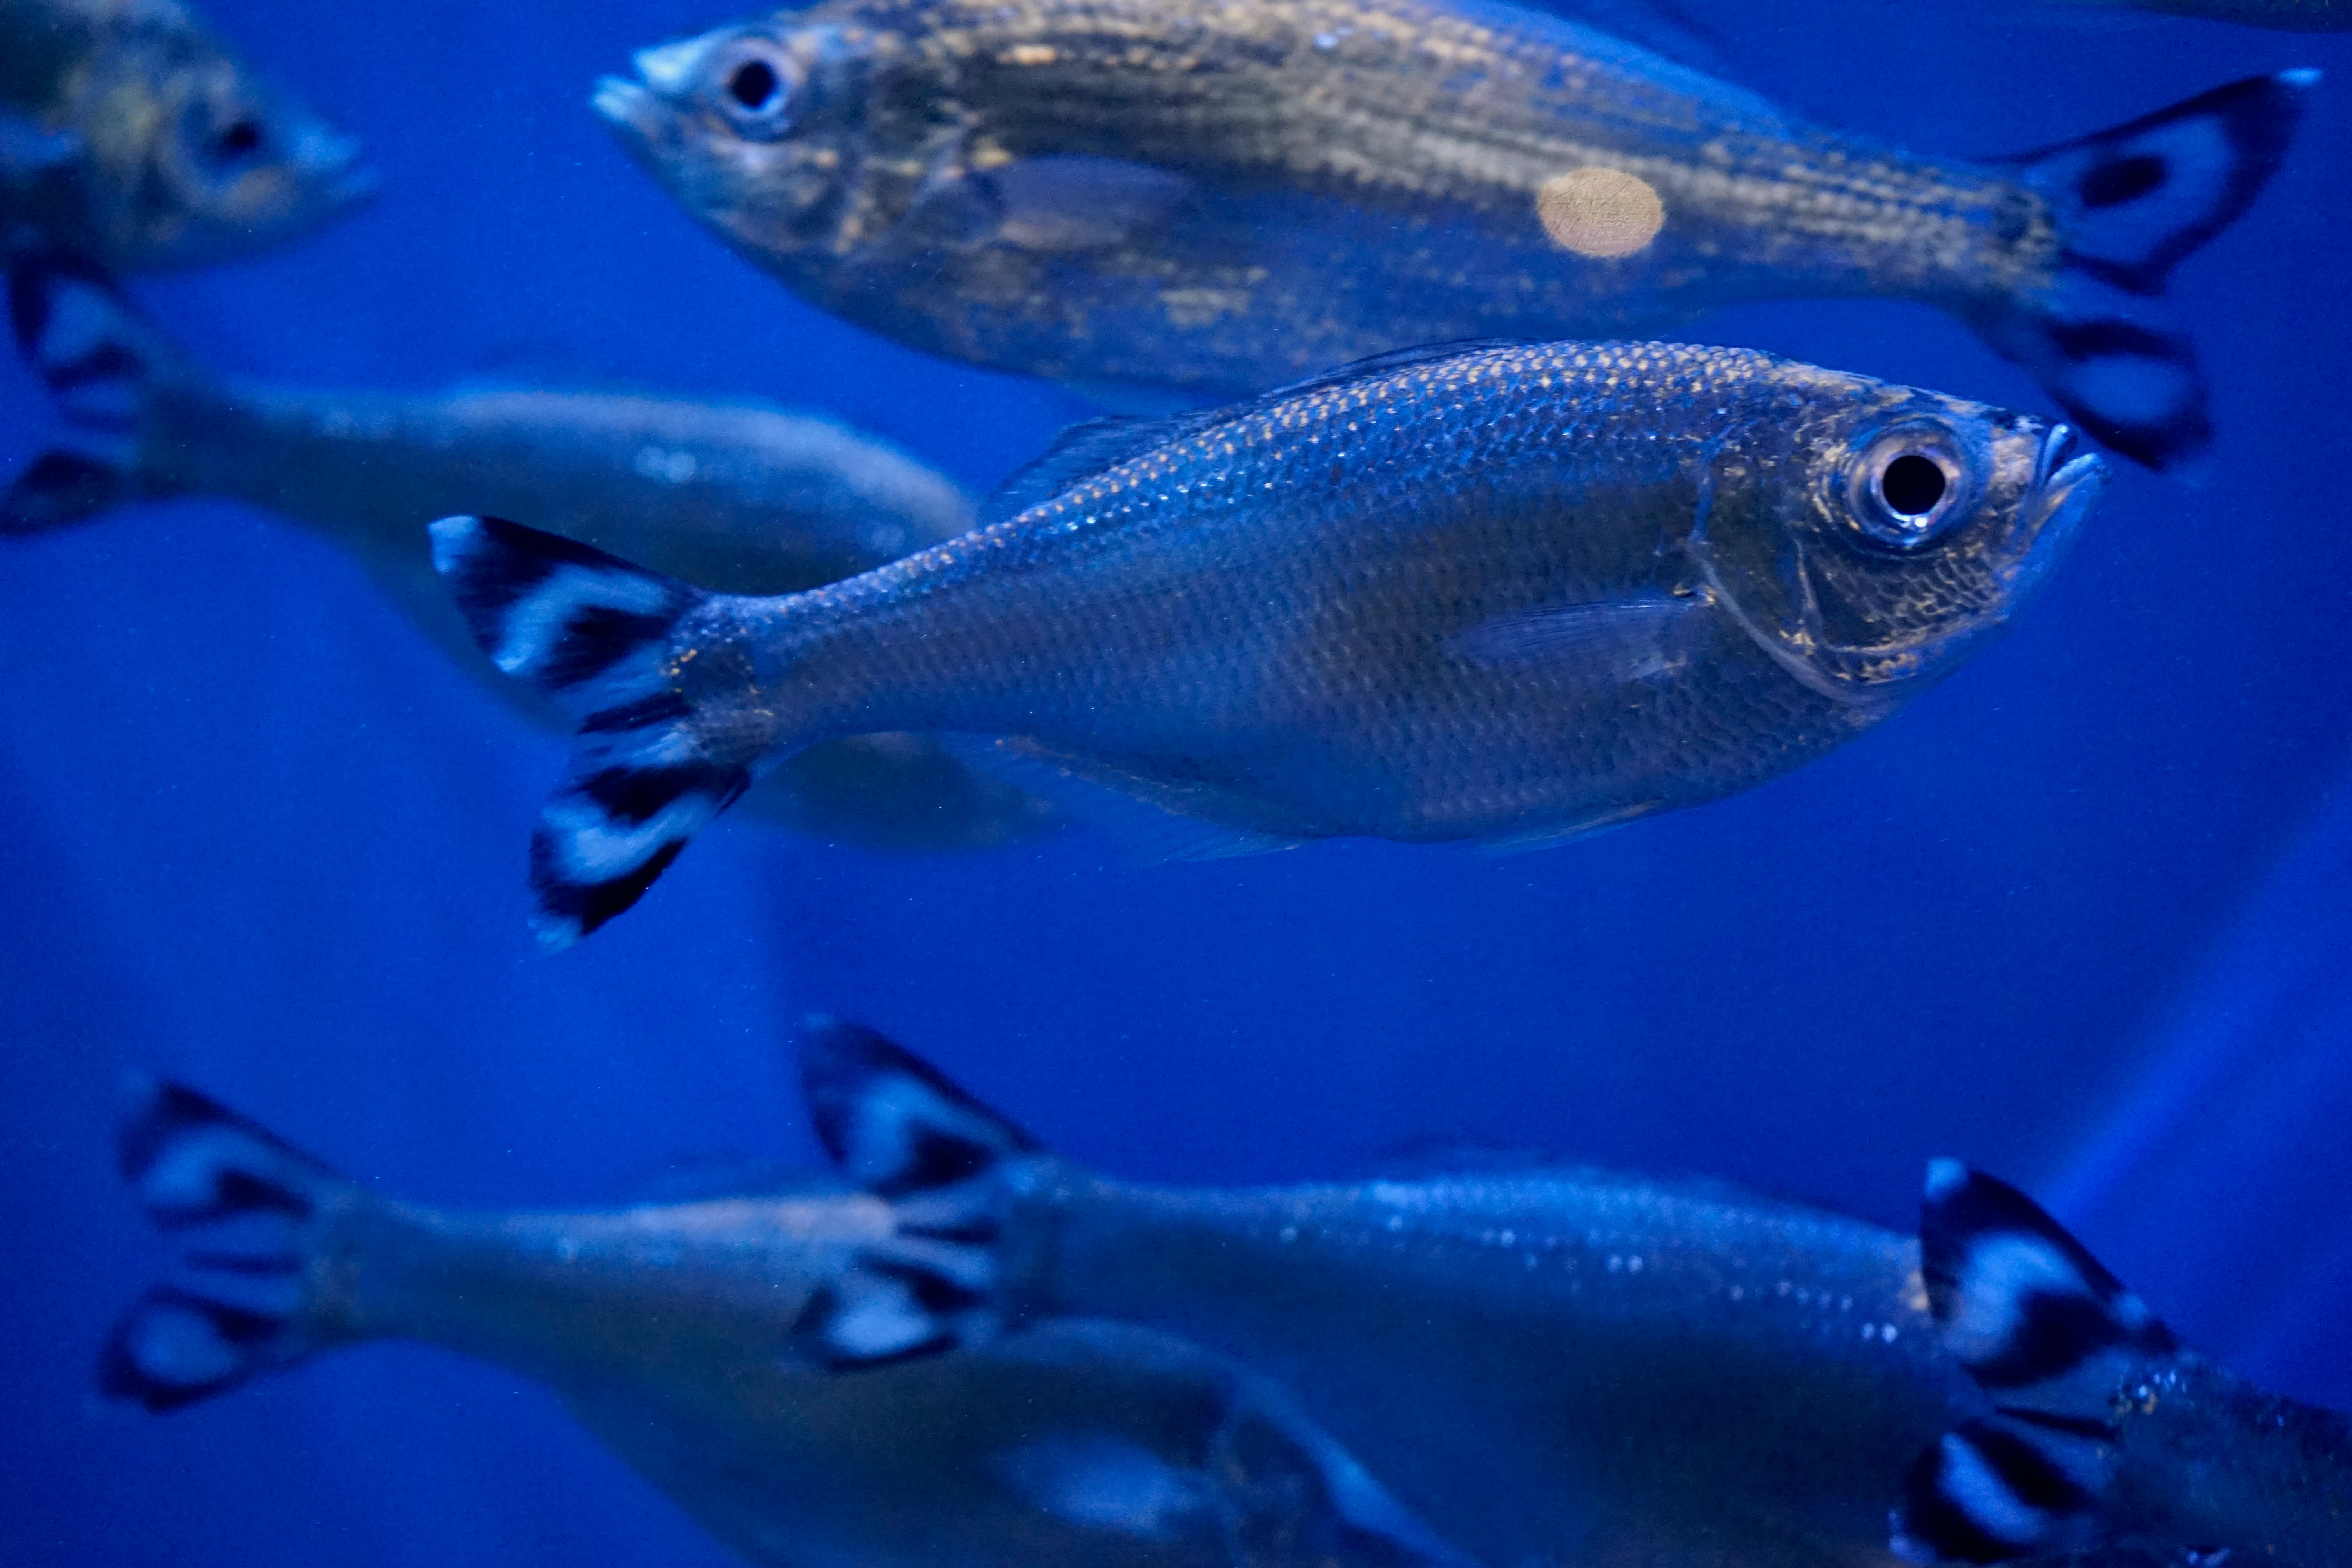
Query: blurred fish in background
[[1218, 197], [2287, 15], [666, 1328], [1513, 595], [740, 495], [130, 135]]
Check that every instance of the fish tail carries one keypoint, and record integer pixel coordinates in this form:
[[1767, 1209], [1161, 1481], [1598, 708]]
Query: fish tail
[[2130, 204], [598, 635], [2049, 1335], [897, 1127], [249, 1214], [100, 359]]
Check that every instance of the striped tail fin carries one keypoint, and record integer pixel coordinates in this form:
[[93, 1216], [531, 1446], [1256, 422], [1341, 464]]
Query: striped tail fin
[[897, 1127], [598, 635], [2130, 204], [98, 357], [246, 1211], [2051, 1336]]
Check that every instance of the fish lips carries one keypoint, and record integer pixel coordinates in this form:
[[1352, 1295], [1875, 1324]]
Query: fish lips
[[2068, 480], [629, 107]]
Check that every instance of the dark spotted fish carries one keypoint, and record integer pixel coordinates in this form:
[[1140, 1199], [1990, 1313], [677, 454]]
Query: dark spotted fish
[[1504, 593], [739, 496], [1221, 197], [134, 137], [666, 1328]]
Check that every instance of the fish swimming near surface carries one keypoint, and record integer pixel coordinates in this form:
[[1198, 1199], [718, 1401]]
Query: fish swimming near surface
[[739, 496], [666, 1328], [131, 136], [1221, 197], [2104, 1427], [1507, 594], [1562, 1365]]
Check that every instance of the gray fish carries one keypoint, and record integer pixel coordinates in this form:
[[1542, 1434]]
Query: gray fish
[[155, 146], [667, 1329], [739, 496], [1221, 197], [1504, 594]]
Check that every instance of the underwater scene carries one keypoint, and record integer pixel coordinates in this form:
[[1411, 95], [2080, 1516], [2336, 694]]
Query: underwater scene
[[1177, 783]]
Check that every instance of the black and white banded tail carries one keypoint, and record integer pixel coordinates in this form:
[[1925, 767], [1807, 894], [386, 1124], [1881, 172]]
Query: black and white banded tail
[[2051, 1336], [2129, 204], [98, 358], [899, 1128], [244, 1211], [596, 635]]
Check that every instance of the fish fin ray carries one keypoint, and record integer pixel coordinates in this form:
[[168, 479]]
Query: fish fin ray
[[1530, 840], [1152, 819], [1618, 641]]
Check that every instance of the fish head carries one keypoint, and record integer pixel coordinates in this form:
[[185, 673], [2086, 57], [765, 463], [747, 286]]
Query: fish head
[[757, 129], [1872, 537], [213, 163]]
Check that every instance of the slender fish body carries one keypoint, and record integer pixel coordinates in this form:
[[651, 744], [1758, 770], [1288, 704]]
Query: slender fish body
[[1504, 593], [667, 1329], [1221, 197], [1549, 1366], [740, 495], [129, 134]]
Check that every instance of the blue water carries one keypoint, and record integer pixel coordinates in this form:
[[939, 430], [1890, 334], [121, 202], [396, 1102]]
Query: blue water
[[2083, 916]]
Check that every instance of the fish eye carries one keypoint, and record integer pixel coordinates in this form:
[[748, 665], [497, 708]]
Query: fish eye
[[754, 83], [237, 140], [1909, 485]]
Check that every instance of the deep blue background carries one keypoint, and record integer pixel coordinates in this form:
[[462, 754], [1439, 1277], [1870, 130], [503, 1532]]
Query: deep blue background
[[2084, 915]]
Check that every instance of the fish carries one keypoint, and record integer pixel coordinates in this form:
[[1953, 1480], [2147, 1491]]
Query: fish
[[740, 495], [2104, 1427], [1503, 594], [158, 147], [666, 1328], [1547, 1364], [1218, 199], [2285, 15]]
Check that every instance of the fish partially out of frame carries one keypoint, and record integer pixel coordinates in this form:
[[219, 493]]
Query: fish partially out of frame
[[666, 1328], [2286, 15], [1504, 593], [1221, 197], [1570, 1366], [738, 495], [129, 134]]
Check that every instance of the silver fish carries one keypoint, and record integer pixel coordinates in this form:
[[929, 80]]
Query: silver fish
[[666, 1329], [1507, 594], [159, 147], [1221, 197], [740, 495]]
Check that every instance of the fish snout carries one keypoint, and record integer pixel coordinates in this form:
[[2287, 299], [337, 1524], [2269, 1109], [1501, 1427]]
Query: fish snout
[[623, 104], [2068, 478], [669, 69]]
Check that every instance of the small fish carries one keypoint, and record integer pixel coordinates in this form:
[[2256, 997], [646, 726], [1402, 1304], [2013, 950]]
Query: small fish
[[2286, 15], [1221, 197], [1508, 594], [1547, 1364], [740, 495], [667, 1329], [158, 148], [2104, 1427]]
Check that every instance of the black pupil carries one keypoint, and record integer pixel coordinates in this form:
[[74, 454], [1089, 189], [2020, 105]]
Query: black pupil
[[238, 139], [1911, 485], [753, 84]]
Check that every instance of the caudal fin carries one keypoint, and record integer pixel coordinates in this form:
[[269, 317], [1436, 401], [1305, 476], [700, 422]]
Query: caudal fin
[[599, 636], [2050, 1335], [98, 357], [899, 1128], [245, 1209], [2130, 204]]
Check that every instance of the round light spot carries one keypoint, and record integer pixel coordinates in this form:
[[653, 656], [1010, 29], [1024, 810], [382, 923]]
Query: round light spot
[[1599, 212]]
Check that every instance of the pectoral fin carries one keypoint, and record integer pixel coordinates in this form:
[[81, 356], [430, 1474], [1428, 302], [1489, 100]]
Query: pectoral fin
[[1610, 642], [1078, 202]]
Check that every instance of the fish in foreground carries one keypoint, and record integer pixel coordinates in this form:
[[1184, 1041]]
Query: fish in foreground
[[134, 137], [2105, 1428], [1547, 1364], [665, 1327], [1570, 1366], [1509, 593], [738, 495], [1222, 197]]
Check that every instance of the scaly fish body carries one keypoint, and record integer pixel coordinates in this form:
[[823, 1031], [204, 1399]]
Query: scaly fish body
[[1223, 197], [667, 1329], [170, 152], [1508, 594], [740, 495]]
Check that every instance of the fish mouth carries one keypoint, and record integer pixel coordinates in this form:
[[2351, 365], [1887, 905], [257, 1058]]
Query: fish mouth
[[2067, 478], [669, 69], [625, 105]]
